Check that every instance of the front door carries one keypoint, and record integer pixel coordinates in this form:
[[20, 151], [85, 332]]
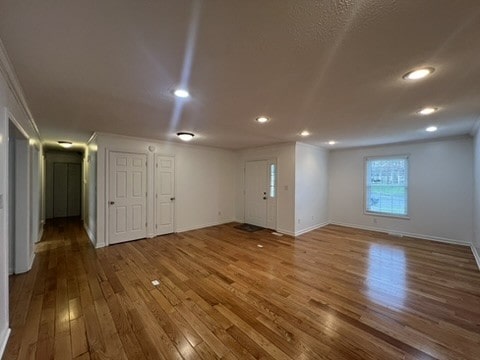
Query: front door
[[165, 194], [127, 197], [256, 186]]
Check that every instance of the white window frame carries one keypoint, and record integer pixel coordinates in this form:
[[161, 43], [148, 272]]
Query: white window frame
[[365, 184]]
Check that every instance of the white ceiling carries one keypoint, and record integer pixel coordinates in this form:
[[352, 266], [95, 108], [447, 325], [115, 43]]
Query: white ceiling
[[332, 67]]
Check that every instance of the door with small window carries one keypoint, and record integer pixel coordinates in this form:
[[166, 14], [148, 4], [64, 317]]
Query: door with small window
[[261, 193]]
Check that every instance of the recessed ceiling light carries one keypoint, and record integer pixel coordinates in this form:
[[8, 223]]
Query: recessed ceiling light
[[262, 119], [181, 93], [185, 136], [427, 110], [304, 133], [418, 73], [431, 129], [65, 144], [332, 142]]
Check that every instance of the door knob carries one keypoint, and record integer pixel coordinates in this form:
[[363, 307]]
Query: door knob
[[111, 202], [172, 198], [264, 198]]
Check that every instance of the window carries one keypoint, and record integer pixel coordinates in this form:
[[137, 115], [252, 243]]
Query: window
[[387, 185], [272, 180]]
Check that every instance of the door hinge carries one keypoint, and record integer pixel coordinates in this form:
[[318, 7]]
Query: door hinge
[[156, 195], [156, 226], [146, 224], [146, 195], [156, 165]]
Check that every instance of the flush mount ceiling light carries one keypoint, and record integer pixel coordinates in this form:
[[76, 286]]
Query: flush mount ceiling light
[[185, 136], [65, 144], [332, 142], [304, 133], [418, 74], [427, 110], [262, 119], [431, 129], [181, 93]]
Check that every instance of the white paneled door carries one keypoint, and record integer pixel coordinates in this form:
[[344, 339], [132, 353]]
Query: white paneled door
[[164, 194], [256, 182], [127, 197]]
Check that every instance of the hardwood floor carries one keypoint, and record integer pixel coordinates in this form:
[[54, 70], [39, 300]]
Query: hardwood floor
[[334, 293]]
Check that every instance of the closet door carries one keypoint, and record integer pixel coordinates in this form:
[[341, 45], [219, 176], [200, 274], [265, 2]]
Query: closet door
[[60, 189], [74, 190]]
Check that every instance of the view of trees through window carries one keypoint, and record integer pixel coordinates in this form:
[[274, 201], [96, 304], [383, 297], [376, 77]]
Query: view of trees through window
[[387, 185]]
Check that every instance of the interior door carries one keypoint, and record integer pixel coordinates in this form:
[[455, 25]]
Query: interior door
[[127, 197], [164, 194], [60, 189], [74, 190], [256, 184]]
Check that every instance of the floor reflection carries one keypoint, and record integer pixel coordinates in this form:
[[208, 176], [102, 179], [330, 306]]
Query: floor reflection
[[386, 278]]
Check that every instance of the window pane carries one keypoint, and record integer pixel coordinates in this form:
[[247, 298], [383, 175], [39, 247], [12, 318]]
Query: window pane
[[272, 180], [387, 186]]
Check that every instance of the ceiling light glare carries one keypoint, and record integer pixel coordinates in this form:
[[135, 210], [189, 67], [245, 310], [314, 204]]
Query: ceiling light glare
[[304, 133], [431, 129], [181, 93], [427, 111], [262, 119], [185, 136], [65, 144], [332, 142], [418, 73]]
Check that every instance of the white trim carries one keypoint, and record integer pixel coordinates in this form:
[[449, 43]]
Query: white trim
[[7, 70], [476, 255], [4, 340], [475, 127], [31, 261], [196, 227], [89, 233], [401, 233], [40, 233], [286, 232], [311, 228]]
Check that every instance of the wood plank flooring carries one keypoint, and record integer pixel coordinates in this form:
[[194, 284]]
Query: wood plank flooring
[[334, 293]]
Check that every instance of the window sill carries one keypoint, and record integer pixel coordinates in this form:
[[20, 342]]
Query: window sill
[[402, 217]]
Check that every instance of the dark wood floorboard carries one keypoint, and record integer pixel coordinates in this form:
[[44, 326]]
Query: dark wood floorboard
[[334, 293]]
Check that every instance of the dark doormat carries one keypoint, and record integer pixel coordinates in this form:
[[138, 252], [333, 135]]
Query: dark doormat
[[248, 227]]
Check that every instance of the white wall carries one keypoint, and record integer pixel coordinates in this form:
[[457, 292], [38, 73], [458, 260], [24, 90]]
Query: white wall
[[90, 189], [285, 155], [204, 182], [311, 188], [476, 192], [11, 102], [440, 190]]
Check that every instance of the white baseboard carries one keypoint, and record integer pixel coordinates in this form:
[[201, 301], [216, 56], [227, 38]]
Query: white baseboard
[[311, 228], [286, 232], [3, 341], [99, 245], [476, 255], [195, 227], [401, 233], [32, 260], [40, 234], [90, 234]]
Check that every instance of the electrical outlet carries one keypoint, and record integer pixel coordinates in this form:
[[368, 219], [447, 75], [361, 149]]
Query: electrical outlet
[[313, 218], [298, 221]]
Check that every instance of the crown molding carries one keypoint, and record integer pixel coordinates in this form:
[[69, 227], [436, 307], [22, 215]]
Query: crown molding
[[8, 72]]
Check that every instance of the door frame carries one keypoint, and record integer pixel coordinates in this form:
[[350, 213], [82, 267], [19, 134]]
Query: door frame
[[107, 188], [156, 156], [269, 160], [24, 253]]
